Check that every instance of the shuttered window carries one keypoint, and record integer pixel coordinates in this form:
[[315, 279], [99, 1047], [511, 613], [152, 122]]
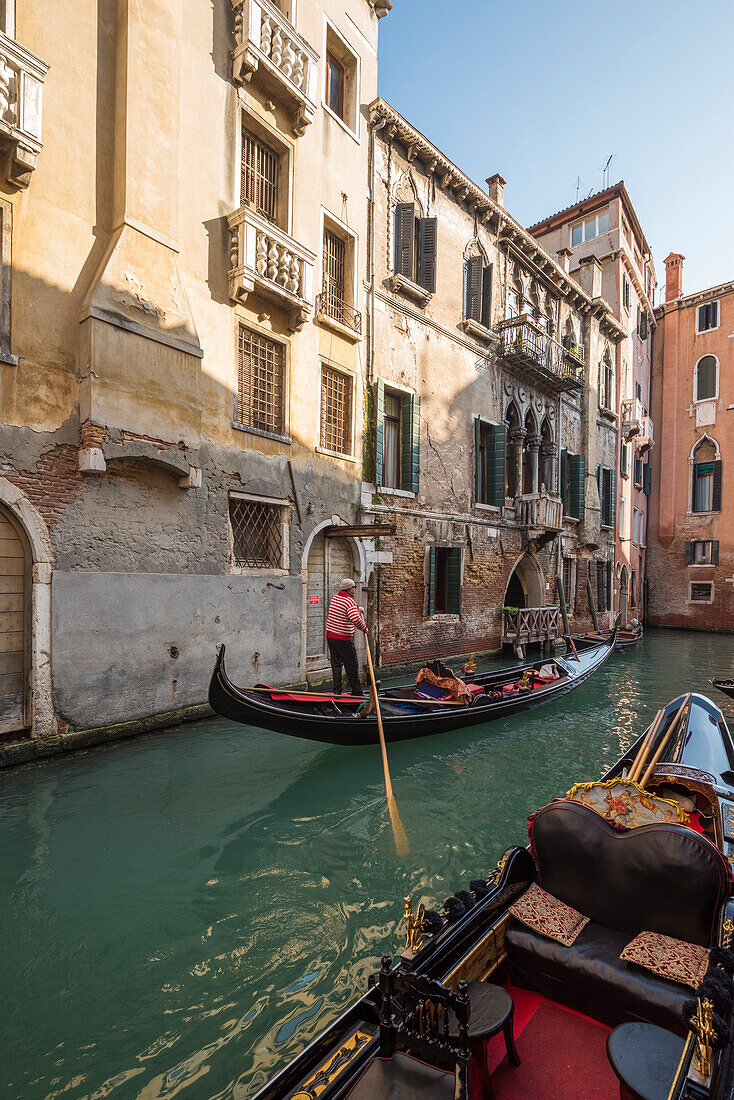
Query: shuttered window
[[416, 246], [702, 552], [478, 291], [397, 439], [259, 176], [707, 317], [573, 472], [427, 249], [706, 487], [260, 389], [405, 220], [624, 460], [444, 580], [336, 411], [706, 378], [411, 442], [490, 463], [606, 482], [602, 586], [567, 578], [647, 479], [643, 326]]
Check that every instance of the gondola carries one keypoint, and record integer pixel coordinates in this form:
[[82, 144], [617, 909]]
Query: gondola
[[481, 1001], [335, 719], [727, 686], [627, 637]]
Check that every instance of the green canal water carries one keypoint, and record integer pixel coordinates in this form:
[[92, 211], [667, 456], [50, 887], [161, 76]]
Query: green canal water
[[182, 913]]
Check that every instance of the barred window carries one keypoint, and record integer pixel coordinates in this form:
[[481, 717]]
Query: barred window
[[257, 533], [259, 176], [334, 260], [602, 586], [260, 383], [567, 579], [336, 411], [702, 593]]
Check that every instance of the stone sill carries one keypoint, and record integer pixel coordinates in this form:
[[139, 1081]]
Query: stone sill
[[443, 617], [337, 326], [259, 432], [10, 360], [388, 491], [335, 454], [400, 284], [488, 507], [478, 330], [256, 571]]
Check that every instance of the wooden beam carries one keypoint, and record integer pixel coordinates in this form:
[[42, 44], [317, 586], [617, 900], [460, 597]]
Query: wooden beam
[[364, 531]]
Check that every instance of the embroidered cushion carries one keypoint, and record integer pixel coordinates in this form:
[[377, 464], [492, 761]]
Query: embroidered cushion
[[674, 959], [549, 916]]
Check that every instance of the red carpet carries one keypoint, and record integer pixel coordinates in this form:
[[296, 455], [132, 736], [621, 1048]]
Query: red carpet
[[563, 1055]]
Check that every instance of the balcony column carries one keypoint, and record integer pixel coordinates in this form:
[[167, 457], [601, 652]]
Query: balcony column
[[549, 453], [533, 456], [514, 479]]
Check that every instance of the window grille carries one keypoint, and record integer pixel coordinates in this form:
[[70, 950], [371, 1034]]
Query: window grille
[[260, 383], [567, 579], [257, 533], [259, 176], [701, 593], [334, 259], [336, 410]]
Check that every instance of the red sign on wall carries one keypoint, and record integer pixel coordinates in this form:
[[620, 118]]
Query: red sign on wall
[[313, 601]]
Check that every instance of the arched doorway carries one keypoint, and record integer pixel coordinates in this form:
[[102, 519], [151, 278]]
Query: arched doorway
[[330, 558], [525, 586], [624, 594], [16, 586]]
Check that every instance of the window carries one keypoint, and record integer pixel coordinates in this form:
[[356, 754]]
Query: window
[[633, 589], [478, 291], [397, 439], [490, 459], [638, 472], [513, 303], [701, 592], [336, 411], [415, 246], [623, 520], [642, 324], [602, 585], [705, 378], [444, 580], [335, 85], [635, 526], [573, 471], [259, 180], [624, 468], [626, 293], [257, 529], [606, 387], [589, 227], [638, 391], [641, 529], [707, 317], [706, 487], [341, 91], [567, 579], [702, 552], [260, 402], [606, 483]]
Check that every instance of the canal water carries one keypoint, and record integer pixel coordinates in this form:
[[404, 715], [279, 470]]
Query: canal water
[[182, 913]]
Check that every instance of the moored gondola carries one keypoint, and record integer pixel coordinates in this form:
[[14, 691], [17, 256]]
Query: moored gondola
[[724, 685], [594, 962], [627, 637], [406, 713]]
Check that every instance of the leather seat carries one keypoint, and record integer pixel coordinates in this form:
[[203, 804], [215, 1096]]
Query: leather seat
[[590, 977], [403, 1078]]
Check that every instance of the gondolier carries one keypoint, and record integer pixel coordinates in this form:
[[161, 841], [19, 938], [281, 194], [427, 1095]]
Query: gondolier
[[343, 619]]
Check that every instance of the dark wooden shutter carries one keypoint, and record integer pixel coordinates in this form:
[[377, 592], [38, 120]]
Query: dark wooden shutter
[[453, 582], [431, 580], [624, 460], [611, 495], [715, 552], [714, 314], [473, 290], [486, 317], [379, 429], [638, 471], [600, 490], [405, 239], [427, 249], [716, 506], [576, 476], [411, 443], [643, 325], [496, 464], [478, 461], [689, 553], [564, 481], [647, 479]]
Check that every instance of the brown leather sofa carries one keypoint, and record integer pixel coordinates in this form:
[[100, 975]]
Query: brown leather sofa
[[657, 878]]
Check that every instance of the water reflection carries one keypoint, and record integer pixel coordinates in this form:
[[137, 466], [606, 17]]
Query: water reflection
[[182, 914]]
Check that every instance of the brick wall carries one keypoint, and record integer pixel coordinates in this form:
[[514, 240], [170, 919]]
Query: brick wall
[[669, 578]]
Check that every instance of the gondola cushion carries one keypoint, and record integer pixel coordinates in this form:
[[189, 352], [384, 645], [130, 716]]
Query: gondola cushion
[[658, 878], [590, 977]]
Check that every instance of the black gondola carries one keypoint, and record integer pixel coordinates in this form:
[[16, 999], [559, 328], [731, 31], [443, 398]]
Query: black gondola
[[663, 869], [405, 715], [627, 637], [727, 686]]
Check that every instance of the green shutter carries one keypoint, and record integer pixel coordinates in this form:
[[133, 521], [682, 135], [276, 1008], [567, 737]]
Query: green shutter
[[379, 429], [411, 443], [478, 461], [453, 585], [576, 475], [647, 479], [427, 250], [715, 552], [643, 325], [716, 505], [689, 553], [405, 239], [564, 480], [473, 289], [600, 490], [496, 464], [486, 317], [624, 460], [609, 494], [431, 580]]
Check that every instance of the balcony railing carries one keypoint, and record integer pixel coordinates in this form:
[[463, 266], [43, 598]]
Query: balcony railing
[[330, 307], [21, 90], [530, 624], [541, 511], [286, 66], [631, 417], [266, 261], [531, 353]]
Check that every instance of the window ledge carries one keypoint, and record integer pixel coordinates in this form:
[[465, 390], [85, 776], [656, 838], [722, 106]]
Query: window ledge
[[11, 360], [259, 431], [697, 514], [488, 507], [344, 125], [478, 330], [388, 491], [571, 519], [401, 284], [701, 565], [443, 617], [610, 415], [337, 326], [335, 454], [253, 571], [606, 526]]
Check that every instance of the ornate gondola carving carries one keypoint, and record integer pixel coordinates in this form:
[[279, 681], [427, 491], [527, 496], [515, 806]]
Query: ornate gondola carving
[[702, 1025], [414, 930], [326, 1074]]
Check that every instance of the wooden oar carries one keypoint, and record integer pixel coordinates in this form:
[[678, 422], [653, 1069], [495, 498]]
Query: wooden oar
[[639, 760], [671, 728], [401, 840]]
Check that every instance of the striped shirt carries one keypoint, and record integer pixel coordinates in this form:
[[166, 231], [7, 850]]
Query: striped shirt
[[343, 617]]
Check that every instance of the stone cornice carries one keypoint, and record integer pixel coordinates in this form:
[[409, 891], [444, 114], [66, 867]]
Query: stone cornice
[[689, 300], [463, 189]]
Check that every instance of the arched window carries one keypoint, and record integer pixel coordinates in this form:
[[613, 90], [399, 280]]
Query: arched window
[[706, 486], [705, 378]]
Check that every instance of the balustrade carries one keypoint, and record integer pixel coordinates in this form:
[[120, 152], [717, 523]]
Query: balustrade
[[21, 88], [530, 624], [265, 259], [527, 349], [540, 510]]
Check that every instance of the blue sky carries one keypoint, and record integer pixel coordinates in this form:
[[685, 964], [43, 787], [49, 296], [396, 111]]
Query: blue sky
[[543, 92]]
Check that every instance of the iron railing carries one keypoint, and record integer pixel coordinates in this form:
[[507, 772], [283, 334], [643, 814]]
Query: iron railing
[[528, 349], [329, 305]]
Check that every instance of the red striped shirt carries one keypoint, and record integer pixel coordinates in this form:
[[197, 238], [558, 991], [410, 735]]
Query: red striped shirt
[[343, 617]]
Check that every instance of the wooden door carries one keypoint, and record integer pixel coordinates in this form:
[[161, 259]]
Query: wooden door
[[329, 561], [15, 597]]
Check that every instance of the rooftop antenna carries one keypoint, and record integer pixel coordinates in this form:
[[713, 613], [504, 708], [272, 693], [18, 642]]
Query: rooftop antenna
[[606, 172], [578, 185]]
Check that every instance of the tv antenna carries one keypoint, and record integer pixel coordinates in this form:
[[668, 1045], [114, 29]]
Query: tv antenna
[[606, 172], [578, 185]]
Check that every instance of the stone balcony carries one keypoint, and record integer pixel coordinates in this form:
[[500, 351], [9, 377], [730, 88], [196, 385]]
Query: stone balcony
[[539, 513], [529, 352], [268, 262], [269, 48], [636, 427], [21, 90]]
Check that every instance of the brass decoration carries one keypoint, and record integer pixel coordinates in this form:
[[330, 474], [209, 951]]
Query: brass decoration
[[703, 1026], [497, 873], [524, 682], [414, 925], [326, 1073], [728, 928]]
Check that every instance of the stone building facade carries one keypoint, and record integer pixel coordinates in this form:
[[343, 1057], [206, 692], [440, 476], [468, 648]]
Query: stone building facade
[[691, 565], [605, 226], [486, 451], [183, 251]]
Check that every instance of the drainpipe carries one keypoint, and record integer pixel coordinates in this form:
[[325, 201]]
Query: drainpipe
[[379, 125]]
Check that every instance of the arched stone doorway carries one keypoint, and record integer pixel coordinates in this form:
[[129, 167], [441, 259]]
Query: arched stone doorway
[[623, 594], [328, 557], [525, 585]]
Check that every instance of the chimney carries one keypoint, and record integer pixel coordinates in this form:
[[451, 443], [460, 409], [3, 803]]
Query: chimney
[[673, 276], [564, 257], [590, 276], [496, 188]]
